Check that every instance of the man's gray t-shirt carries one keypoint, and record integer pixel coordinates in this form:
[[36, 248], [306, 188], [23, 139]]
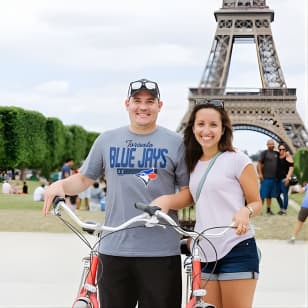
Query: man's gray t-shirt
[[137, 168], [269, 160]]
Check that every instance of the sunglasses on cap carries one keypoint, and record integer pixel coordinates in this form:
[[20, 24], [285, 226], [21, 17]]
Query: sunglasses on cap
[[143, 84], [217, 103]]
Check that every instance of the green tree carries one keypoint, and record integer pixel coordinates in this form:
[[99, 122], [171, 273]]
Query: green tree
[[32, 126], [301, 164], [77, 137], [91, 137], [10, 137], [29, 140], [22, 138], [55, 133]]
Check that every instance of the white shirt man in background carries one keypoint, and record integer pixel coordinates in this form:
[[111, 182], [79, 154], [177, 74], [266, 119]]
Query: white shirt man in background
[[38, 194], [6, 188]]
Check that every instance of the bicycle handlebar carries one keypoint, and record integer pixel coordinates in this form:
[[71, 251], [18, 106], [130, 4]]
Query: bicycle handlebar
[[150, 217], [59, 203], [156, 211]]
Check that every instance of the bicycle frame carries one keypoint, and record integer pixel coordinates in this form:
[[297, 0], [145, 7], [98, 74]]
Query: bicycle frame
[[197, 292], [88, 296]]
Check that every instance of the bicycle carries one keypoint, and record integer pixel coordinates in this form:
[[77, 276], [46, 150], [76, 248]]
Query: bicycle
[[192, 263], [87, 296]]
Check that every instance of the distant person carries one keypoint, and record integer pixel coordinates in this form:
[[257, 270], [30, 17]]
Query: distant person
[[66, 169], [38, 194], [96, 195], [6, 187], [25, 188], [104, 185], [302, 214], [15, 188], [284, 172], [83, 197], [267, 171], [71, 201]]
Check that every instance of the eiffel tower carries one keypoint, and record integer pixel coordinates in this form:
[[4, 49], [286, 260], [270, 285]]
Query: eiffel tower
[[270, 110]]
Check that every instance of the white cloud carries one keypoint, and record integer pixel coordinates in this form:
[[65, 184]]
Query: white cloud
[[73, 60], [53, 88]]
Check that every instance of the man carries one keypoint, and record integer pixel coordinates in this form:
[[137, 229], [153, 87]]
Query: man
[[141, 161], [66, 169], [267, 170], [38, 194]]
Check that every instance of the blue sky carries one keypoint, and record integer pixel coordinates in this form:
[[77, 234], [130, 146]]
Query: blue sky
[[74, 59]]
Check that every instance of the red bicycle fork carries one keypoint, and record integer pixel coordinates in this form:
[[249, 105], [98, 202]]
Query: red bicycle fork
[[88, 291], [197, 291]]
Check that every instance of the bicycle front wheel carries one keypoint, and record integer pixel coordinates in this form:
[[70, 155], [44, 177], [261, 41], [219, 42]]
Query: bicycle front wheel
[[82, 303]]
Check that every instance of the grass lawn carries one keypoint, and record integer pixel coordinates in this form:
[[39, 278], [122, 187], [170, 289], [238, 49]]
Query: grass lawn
[[278, 226], [20, 213]]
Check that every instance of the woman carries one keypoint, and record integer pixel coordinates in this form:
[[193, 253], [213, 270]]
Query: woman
[[284, 172], [231, 183]]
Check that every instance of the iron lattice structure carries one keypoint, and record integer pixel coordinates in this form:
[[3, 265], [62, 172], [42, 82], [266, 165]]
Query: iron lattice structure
[[270, 110]]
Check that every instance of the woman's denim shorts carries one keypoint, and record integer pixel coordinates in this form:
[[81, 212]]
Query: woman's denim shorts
[[242, 262]]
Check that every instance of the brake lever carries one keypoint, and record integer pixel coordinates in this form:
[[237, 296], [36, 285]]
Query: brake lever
[[152, 222]]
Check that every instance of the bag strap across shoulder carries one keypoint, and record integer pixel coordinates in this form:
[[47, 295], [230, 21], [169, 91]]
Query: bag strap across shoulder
[[202, 180]]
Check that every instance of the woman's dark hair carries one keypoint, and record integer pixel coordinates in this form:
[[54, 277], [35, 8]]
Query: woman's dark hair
[[193, 150], [284, 145]]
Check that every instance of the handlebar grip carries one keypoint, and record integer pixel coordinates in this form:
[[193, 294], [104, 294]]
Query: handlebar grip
[[56, 200], [147, 208]]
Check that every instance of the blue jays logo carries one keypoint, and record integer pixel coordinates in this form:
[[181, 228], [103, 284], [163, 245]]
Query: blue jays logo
[[147, 175]]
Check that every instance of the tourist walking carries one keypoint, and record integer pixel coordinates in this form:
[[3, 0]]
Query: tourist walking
[[302, 214]]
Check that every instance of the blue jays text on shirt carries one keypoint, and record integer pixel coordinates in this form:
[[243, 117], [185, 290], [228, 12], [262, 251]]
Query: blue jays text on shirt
[[126, 158]]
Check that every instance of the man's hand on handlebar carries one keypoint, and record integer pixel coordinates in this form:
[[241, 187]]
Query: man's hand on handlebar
[[71, 186], [54, 190]]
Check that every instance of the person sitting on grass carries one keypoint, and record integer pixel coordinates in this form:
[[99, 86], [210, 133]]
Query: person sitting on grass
[[25, 188], [6, 188], [38, 194]]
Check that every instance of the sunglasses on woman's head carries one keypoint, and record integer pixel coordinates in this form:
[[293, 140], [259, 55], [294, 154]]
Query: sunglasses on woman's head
[[218, 103]]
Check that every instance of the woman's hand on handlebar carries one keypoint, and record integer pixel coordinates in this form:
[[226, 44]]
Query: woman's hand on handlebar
[[174, 201], [162, 202], [241, 221]]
